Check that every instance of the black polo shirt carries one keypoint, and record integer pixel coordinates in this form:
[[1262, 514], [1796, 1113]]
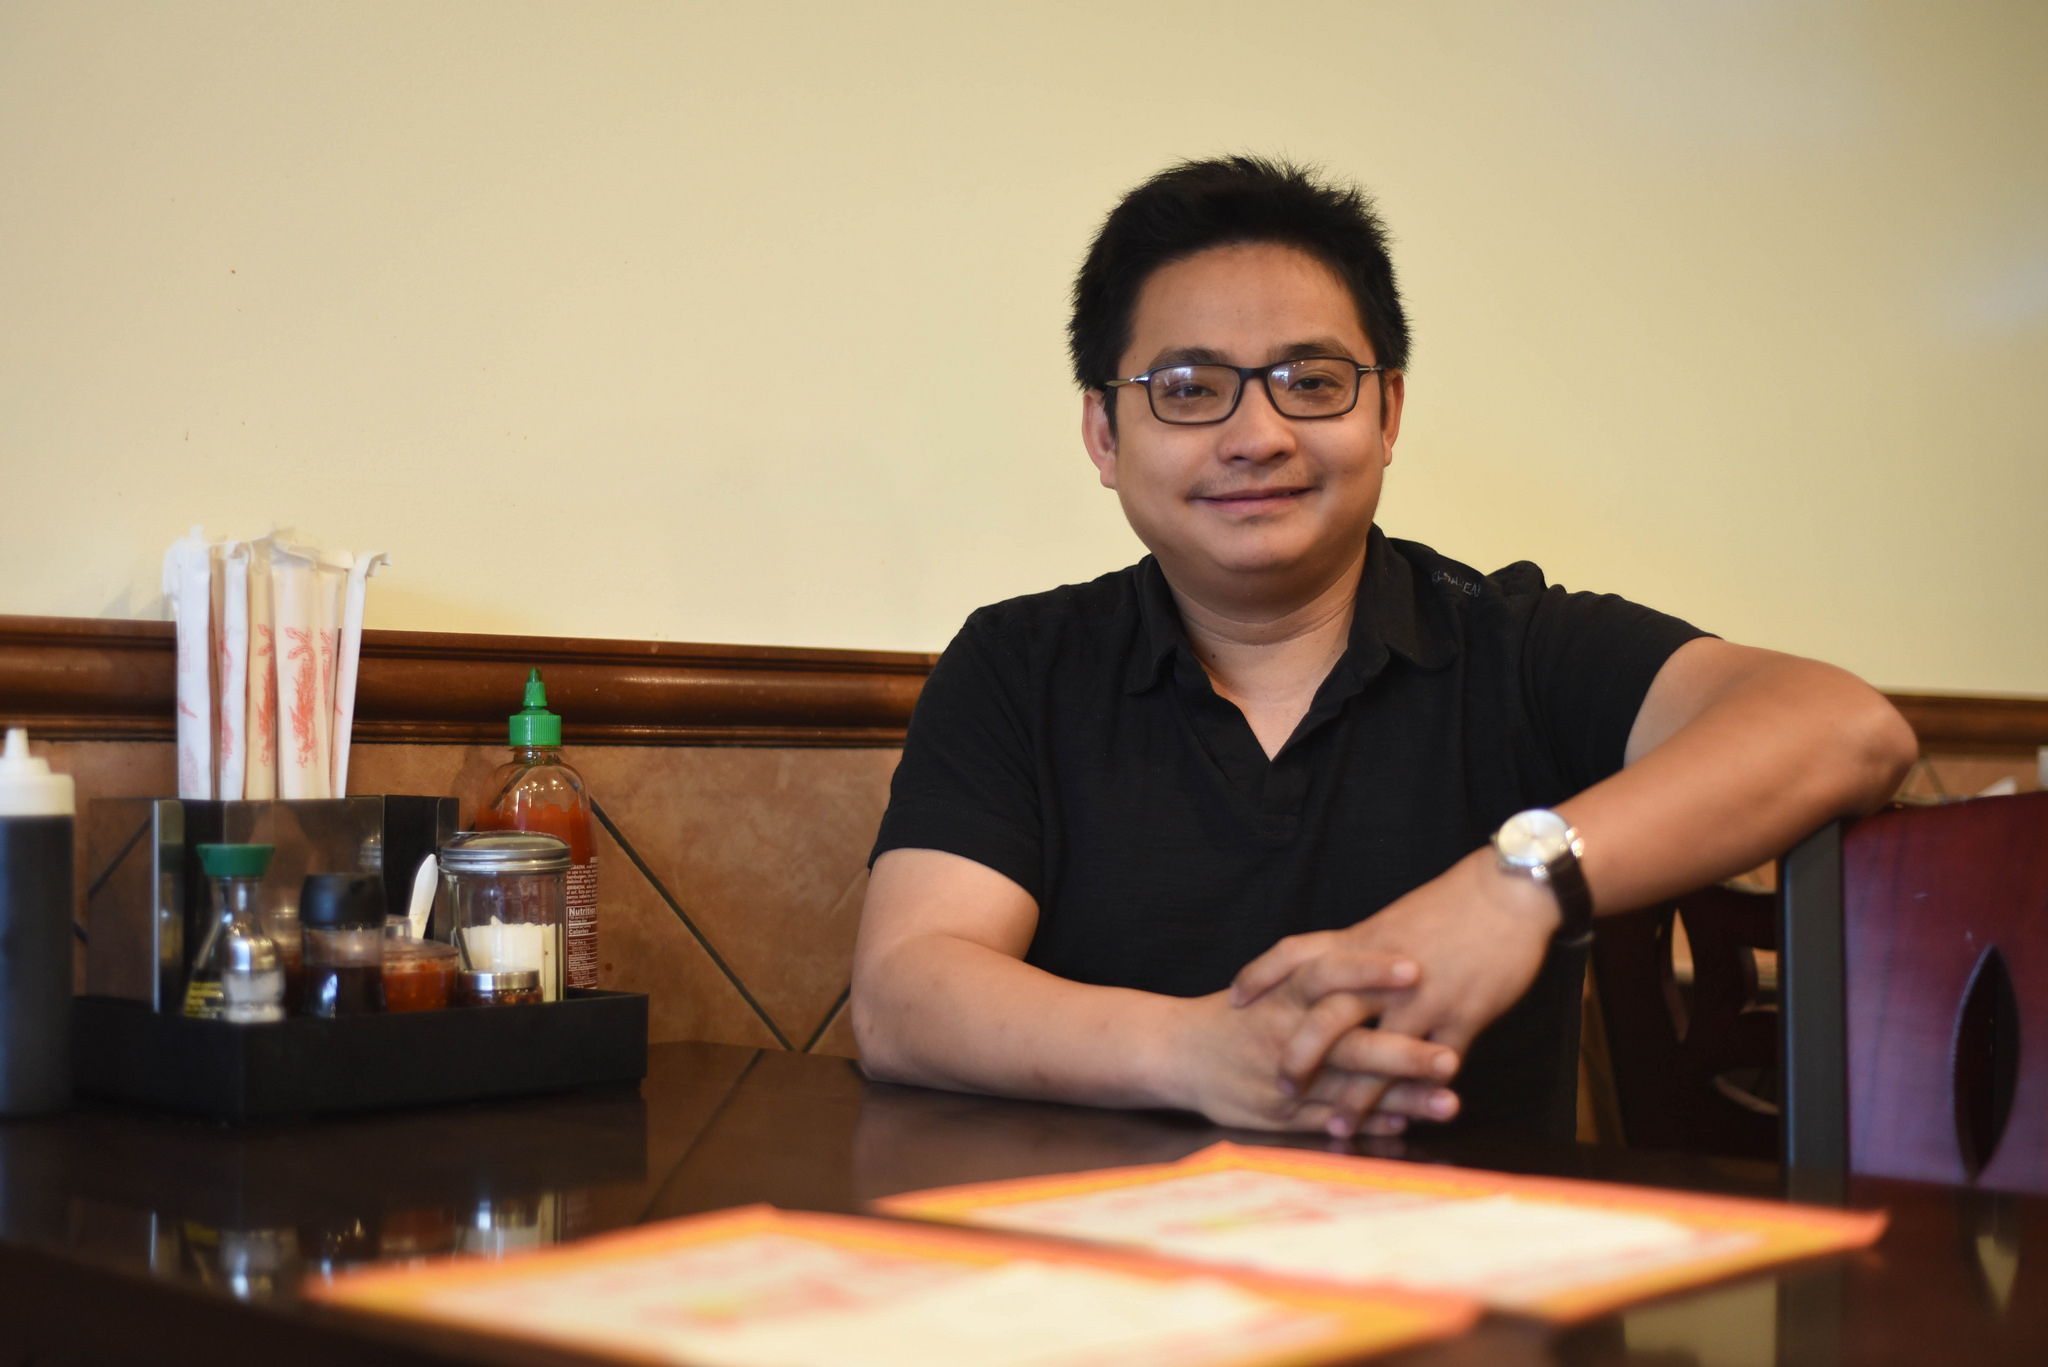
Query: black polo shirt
[[1072, 742]]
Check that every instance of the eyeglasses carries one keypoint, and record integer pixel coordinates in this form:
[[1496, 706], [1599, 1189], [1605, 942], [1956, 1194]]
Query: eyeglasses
[[1312, 387]]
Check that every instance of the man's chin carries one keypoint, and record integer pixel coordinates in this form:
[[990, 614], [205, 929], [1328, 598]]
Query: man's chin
[[1250, 560]]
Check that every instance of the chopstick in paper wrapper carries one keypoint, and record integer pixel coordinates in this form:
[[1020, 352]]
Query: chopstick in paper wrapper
[[330, 579], [259, 731], [301, 758], [351, 654], [188, 584], [230, 574]]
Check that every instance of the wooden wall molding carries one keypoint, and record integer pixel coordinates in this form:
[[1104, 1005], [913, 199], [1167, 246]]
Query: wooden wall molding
[[84, 679], [1974, 724]]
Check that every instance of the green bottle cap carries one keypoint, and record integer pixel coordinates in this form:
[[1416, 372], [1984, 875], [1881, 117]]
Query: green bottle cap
[[235, 861], [536, 725]]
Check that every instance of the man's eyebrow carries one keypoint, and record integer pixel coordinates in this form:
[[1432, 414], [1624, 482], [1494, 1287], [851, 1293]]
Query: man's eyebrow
[[1314, 346], [1187, 355], [1293, 351]]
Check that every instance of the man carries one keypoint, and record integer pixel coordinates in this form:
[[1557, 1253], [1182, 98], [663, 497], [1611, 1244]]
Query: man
[[1230, 830]]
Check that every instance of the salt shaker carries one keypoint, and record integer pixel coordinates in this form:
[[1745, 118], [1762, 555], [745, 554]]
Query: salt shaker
[[238, 975]]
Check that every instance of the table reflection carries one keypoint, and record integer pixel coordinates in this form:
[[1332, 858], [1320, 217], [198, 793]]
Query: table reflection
[[252, 1212], [1961, 1275]]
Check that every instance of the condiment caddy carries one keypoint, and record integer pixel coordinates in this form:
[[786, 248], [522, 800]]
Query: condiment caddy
[[310, 998]]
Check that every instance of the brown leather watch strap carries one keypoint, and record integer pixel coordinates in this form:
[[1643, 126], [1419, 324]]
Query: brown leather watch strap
[[1574, 899]]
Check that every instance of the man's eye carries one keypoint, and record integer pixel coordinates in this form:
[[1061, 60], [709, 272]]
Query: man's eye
[[1188, 389], [1313, 377]]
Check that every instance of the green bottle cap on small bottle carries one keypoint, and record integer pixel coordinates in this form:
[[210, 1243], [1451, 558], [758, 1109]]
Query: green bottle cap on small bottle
[[535, 725], [235, 861]]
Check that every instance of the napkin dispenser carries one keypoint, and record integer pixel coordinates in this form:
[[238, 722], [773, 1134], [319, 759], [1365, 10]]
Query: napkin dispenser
[[146, 898]]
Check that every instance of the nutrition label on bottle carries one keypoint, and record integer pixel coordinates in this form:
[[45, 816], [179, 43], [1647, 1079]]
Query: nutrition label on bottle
[[581, 930]]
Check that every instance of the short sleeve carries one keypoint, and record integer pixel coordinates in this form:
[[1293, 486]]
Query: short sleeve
[[966, 783], [1588, 662]]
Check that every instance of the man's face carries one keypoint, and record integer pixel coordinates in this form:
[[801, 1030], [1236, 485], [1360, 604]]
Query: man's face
[[1260, 509]]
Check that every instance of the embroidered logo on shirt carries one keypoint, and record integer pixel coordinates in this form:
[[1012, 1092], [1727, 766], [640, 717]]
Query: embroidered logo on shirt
[[1445, 577]]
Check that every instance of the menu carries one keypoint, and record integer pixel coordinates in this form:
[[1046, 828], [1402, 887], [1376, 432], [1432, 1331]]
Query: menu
[[760, 1287], [1550, 1247]]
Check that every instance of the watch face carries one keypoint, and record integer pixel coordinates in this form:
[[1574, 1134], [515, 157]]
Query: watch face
[[1533, 838]]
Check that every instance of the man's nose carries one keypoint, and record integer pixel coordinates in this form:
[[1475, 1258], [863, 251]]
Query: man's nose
[[1257, 430]]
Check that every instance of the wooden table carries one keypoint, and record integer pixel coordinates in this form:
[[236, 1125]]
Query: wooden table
[[129, 1237]]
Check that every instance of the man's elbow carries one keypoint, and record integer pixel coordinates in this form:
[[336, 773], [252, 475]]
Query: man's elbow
[[1884, 747], [877, 1043]]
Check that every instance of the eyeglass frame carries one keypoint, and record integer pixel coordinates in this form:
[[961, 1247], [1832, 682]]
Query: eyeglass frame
[[1245, 373]]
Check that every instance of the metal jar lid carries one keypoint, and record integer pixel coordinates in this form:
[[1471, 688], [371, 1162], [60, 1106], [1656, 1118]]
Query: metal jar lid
[[504, 852], [511, 980]]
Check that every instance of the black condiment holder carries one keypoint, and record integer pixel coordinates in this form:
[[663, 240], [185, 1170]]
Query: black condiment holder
[[304, 1066], [146, 908]]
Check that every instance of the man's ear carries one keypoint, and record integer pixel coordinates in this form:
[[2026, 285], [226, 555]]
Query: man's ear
[[1393, 393], [1098, 436]]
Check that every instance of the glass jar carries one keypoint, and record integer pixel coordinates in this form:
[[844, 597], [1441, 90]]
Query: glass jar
[[343, 915], [514, 988], [419, 975], [504, 897]]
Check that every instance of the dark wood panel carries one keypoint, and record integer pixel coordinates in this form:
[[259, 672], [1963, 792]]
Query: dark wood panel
[[82, 679]]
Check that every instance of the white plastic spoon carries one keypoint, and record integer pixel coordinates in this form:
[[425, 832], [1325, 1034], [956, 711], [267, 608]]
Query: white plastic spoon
[[423, 895]]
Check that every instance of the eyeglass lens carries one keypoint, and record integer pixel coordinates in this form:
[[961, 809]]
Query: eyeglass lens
[[1319, 387]]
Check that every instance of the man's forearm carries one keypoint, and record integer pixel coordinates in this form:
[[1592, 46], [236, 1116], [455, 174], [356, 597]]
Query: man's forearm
[[1739, 764], [945, 1012]]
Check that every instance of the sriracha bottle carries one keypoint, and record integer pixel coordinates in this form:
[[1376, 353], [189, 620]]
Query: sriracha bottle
[[537, 791]]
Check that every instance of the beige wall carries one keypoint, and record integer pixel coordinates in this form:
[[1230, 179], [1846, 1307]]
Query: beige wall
[[1741, 309]]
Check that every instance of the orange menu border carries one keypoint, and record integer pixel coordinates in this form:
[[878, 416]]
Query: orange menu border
[[1788, 1232], [1371, 1323]]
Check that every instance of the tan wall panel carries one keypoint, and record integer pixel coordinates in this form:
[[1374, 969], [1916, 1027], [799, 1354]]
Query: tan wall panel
[[1739, 309]]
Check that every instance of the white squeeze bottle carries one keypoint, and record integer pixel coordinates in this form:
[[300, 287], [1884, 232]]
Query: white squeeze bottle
[[36, 808]]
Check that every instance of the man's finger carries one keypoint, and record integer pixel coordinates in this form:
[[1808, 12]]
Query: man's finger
[[1421, 1100], [1355, 1100], [1321, 1026], [1362, 1098], [1392, 1055], [1423, 1021], [1259, 976], [1342, 968]]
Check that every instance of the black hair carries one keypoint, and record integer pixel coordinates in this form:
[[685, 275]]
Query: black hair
[[1197, 205]]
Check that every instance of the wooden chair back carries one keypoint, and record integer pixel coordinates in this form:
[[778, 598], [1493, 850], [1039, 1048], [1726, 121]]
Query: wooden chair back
[[1692, 1045], [1911, 1009], [1945, 961]]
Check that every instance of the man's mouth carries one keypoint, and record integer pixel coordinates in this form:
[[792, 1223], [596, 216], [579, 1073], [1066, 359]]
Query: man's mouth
[[1254, 499]]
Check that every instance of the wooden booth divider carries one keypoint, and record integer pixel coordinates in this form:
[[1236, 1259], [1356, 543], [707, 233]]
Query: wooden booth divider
[[738, 787]]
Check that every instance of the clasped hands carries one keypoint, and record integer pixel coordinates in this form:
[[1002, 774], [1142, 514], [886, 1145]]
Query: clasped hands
[[1359, 1030]]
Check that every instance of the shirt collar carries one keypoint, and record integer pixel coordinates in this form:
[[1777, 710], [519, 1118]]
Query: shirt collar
[[1390, 618]]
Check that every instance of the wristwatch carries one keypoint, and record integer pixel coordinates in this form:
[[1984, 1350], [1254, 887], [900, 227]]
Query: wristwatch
[[1541, 845]]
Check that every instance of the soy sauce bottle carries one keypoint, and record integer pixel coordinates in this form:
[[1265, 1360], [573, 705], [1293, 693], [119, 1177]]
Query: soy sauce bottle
[[343, 916], [538, 791]]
